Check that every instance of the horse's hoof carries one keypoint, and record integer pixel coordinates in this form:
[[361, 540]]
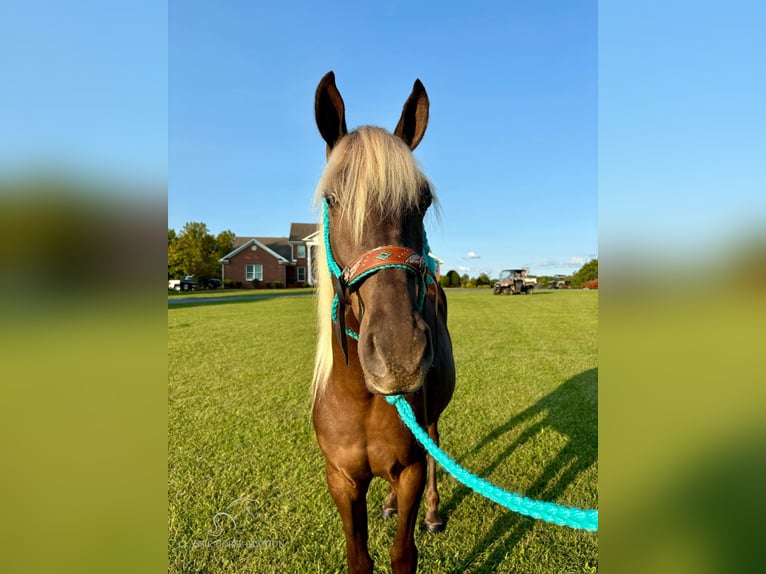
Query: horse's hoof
[[388, 513], [435, 528]]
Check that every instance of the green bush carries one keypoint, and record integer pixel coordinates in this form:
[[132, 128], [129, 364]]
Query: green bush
[[278, 285]]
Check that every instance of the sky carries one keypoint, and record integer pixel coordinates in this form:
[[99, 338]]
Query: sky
[[682, 129], [84, 89], [556, 133], [511, 146]]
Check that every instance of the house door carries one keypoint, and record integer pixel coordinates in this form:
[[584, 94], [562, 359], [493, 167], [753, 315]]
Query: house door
[[290, 273]]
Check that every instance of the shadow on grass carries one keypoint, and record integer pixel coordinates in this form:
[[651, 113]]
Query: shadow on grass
[[176, 303], [571, 410]]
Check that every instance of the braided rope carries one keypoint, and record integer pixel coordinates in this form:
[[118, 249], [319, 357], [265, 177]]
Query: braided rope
[[331, 263], [547, 511]]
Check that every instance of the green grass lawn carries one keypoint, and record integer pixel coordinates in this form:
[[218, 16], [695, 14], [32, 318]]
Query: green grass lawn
[[524, 416]]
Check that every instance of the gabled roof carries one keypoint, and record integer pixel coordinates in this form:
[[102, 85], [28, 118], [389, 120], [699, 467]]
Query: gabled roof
[[278, 247], [300, 231], [313, 238]]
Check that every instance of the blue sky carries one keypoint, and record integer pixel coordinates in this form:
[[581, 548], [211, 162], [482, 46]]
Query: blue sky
[[511, 145], [545, 131], [682, 128], [84, 88]]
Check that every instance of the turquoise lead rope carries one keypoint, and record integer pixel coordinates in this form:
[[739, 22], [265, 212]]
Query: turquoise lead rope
[[547, 511]]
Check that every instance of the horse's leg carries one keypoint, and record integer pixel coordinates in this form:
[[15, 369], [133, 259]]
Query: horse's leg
[[434, 523], [409, 491], [389, 506], [351, 499]]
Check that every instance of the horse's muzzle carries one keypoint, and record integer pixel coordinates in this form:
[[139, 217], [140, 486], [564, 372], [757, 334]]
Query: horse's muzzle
[[395, 361]]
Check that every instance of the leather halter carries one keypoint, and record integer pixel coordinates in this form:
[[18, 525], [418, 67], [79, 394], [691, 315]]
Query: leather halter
[[388, 256]]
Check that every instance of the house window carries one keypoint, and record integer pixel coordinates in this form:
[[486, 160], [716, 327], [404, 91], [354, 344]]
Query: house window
[[301, 273], [301, 251], [254, 272]]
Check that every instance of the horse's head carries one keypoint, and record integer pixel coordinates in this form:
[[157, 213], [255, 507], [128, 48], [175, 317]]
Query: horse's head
[[375, 196]]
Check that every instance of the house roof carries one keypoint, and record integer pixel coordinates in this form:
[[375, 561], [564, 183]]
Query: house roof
[[299, 231], [278, 247]]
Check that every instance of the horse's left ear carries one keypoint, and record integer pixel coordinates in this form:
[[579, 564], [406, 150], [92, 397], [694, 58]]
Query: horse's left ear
[[412, 124]]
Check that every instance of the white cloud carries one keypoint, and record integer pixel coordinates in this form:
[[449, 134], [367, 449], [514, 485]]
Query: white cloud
[[547, 263], [463, 268], [472, 255], [574, 262]]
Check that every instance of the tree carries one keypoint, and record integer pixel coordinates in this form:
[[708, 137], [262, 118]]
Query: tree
[[224, 243], [454, 278], [587, 272], [195, 251], [482, 279], [464, 279], [174, 263]]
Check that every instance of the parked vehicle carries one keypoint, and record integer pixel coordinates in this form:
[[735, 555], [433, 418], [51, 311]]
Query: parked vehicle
[[514, 281], [189, 283], [559, 282]]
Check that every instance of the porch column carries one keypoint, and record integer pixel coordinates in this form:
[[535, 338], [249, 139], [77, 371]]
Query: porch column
[[310, 270]]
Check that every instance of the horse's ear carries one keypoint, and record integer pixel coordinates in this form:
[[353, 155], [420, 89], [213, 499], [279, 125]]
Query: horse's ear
[[412, 124], [330, 111]]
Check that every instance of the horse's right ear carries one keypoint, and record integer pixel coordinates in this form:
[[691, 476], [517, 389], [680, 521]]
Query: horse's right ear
[[412, 124], [330, 111]]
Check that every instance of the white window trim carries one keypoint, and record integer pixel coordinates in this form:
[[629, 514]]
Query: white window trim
[[298, 274], [301, 247], [256, 274]]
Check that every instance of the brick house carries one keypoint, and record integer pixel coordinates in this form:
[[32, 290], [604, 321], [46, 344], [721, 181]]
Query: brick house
[[287, 260]]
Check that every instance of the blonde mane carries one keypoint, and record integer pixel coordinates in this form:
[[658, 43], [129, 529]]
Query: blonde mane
[[369, 171]]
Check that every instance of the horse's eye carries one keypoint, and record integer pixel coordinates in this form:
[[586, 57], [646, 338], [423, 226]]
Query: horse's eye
[[331, 199]]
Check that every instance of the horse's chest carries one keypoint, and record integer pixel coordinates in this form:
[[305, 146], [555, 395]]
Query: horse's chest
[[373, 442], [387, 459]]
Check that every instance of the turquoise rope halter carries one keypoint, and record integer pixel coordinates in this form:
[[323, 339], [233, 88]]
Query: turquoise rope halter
[[337, 272]]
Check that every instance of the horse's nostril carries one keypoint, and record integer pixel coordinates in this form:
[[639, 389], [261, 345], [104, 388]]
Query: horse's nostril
[[370, 356]]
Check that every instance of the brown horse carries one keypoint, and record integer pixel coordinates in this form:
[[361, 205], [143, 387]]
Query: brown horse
[[382, 324]]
